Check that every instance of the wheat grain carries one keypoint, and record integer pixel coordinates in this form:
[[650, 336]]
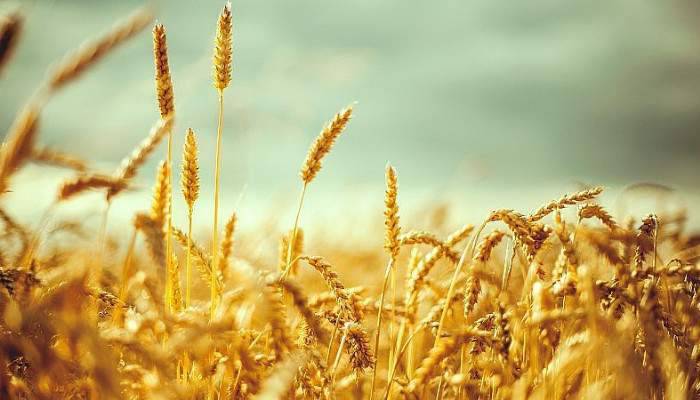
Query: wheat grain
[[223, 50], [164, 83], [344, 300], [190, 170], [202, 260], [442, 349], [358, 348], [323, 145], [301, 304], [568, 200], [137, 158], [161, 200], [227, 244], [597, 211]]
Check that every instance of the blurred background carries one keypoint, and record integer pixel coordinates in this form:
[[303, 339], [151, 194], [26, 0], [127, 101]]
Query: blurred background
[[479, 104]]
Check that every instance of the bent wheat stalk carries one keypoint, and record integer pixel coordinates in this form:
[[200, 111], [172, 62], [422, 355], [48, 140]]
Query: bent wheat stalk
[[312, 165]]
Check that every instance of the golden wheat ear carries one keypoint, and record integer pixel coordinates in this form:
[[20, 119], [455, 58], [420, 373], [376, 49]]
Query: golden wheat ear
[[163, 79], [74, 64], [223, 49], [323, 144], [190, 191], [190, 169], [10, 30]]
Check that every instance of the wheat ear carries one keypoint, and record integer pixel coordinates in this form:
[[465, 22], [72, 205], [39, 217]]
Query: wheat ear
[[163, 79], [227, 245], [10, 30], [57, 158], [296, 251], [159, 215], [82, 183], [597, 211], [567, 200], [131, 164], [473, 284], [19, 144], [190, 191], [75, 63], [223, 65]]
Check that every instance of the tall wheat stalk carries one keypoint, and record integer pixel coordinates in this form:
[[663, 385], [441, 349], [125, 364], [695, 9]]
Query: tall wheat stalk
[[223, 58], [166, 107], [392, 246]]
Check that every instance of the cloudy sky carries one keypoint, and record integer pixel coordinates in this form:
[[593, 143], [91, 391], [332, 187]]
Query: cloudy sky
[[468, 99]]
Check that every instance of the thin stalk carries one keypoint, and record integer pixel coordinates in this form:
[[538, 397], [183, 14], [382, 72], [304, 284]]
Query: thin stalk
[[188, 271], [215, 230], [168, 238], [293, 239], [392, 334], [330, 343], [398, 357], [337, 357], [126, 274], [103, 231], [377, 332]]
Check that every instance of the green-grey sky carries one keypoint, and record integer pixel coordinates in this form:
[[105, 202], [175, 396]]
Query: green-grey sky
[[462, 96]]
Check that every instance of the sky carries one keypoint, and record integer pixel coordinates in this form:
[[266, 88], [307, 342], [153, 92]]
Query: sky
[[484, 103]]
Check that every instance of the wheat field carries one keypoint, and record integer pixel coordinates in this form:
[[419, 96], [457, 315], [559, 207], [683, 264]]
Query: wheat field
[[561, 302]]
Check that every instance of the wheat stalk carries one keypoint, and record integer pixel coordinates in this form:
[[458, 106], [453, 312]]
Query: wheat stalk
[[392, 246], [223, 65], [312, 165]]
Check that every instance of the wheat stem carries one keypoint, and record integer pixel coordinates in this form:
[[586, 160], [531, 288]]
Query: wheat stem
[[168, 238], [387, 272], [188, 268], [215, 230], [293, 239]]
